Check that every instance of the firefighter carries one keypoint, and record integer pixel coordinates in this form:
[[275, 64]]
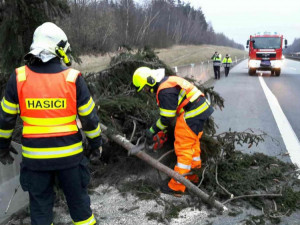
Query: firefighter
[[227, 63], [48, 96], [176, 96], [217, 63]]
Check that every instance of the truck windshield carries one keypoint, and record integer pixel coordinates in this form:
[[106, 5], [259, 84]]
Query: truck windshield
[[266, 42]]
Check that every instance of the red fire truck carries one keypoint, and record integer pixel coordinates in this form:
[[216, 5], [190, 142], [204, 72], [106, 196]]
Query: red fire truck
[[265, 52]]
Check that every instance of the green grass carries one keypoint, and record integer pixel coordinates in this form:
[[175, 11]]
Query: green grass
[[175, 56]]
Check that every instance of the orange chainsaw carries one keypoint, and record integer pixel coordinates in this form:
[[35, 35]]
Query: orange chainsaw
[[158, 140]]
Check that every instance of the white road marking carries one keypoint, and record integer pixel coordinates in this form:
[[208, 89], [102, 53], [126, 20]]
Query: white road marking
[[289, 137]]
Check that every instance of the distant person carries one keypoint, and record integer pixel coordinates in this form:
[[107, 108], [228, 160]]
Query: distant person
[[217, 63], [227, 61], [48, 96]]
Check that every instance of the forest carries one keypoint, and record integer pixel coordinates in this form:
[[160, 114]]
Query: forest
[[99, 26]]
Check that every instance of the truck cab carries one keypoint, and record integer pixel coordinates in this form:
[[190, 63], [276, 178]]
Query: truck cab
[[265, 52]]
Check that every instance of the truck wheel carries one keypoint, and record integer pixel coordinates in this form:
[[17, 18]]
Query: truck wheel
[[277, 72], [272, 72], [251, 71]]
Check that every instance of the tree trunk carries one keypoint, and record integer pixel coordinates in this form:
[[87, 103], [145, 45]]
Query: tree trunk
[[122, 141]]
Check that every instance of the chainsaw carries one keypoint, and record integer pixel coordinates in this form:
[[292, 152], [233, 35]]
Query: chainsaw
[[158, 141]]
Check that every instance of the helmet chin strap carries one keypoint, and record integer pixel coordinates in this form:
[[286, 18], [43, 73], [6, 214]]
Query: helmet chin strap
[[152, 90]]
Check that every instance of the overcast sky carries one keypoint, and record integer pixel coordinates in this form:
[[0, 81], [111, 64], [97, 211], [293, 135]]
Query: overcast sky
[[237, 19]]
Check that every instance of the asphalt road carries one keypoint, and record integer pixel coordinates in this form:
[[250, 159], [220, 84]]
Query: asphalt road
[[249, 105]]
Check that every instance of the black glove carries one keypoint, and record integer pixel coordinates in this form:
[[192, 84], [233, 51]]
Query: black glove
[[96, 154], [149, 137], [5, 157]]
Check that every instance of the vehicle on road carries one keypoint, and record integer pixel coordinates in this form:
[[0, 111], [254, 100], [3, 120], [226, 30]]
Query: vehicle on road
[[265, 52]]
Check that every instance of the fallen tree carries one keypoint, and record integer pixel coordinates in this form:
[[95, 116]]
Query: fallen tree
[[138, 152]]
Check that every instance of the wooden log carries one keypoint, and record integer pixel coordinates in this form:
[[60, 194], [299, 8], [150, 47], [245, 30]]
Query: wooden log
[[122, 141]]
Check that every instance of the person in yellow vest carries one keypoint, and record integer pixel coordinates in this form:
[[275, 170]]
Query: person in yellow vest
[[227, 61], [176, 96], [48, 97], [217, 64]]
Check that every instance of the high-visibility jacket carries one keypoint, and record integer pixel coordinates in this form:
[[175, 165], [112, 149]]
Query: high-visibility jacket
[[227, 62], [47, 112], [216, 60], [50, 152], [188, 94]]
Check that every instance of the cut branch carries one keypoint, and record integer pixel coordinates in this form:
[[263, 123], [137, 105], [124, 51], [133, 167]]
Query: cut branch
[[252, 196]]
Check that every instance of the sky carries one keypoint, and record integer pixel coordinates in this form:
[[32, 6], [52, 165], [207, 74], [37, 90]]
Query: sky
[[237, 19]]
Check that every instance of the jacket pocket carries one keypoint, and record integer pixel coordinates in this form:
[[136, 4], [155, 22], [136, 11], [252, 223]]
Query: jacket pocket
[[84, 172], [24, 178]]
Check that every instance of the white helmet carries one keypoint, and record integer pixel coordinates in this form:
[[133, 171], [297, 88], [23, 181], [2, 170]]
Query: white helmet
[[45, 40]]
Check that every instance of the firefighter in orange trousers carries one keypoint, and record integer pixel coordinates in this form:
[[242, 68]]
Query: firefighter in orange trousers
[[176, 96], [49, 96]]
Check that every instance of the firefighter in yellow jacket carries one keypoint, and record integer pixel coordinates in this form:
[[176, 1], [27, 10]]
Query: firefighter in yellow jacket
[[176, 96], [227, 61], [49, 96]]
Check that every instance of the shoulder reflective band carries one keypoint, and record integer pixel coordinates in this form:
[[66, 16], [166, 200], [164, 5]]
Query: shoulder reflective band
[[9, 107], [5, 133], [181, 96], [93, 133], [89, 221], [87, 108], [48, 130], [160, 125], [196, 111], [167, 112], [21, 75], [72, 75], [48, 121], [50, 153]]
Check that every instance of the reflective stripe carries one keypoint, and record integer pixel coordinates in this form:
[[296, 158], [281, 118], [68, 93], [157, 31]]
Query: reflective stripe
[[89, 221], [6, 133], [196, 111], [87, 108], [54, 152], [93, 133], [183, 166], [72, 75], [160, 125], [9, 107], [196, 158], [192, 92], [181, 96], [48, 121], [167, 112], [195, 96], [48, 130], [21, 75]]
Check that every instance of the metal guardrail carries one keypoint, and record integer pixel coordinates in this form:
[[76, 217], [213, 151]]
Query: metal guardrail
[[292, 56], [12, 197]]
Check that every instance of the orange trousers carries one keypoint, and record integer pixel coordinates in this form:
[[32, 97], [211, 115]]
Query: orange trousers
[[187, 150]]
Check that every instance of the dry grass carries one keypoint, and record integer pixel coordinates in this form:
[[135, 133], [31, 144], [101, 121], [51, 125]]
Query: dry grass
[[175, 56]]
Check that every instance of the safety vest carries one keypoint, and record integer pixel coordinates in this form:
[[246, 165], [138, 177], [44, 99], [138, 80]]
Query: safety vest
[[227, 61], [47, 102], [217, 60], [188, 90]]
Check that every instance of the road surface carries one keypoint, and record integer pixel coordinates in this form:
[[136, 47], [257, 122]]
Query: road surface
[[263, 103]]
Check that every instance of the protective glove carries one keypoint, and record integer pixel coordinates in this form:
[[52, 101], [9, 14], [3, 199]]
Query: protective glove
[[5, 157], [96, 154], [149, 137]]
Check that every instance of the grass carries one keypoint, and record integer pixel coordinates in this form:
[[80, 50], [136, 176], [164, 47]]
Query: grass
[[175, 56]]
